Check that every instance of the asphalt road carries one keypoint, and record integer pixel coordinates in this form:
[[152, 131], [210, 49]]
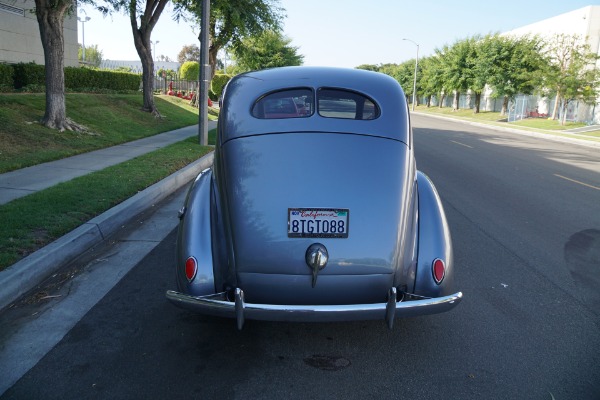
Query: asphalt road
[[525, 219]]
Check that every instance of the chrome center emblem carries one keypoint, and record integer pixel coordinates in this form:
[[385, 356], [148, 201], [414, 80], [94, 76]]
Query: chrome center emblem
[[316, 259]]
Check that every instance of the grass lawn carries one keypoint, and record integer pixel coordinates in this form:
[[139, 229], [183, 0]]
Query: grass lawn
[[111, 120]]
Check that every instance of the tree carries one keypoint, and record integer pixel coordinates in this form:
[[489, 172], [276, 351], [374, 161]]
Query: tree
[[167, 73], [189, 53], [513, 66], [270, 49], [232, 21], [570, 73], [430, 78], [403, 73], [93, 55], [478, 62], [369, 67], [50, 15], [143, 18], [455, 67]]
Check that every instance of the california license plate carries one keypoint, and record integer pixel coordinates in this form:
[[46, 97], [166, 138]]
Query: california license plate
[[318, 222]]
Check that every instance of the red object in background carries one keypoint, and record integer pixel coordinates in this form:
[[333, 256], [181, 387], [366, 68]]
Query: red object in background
[[209, 102]]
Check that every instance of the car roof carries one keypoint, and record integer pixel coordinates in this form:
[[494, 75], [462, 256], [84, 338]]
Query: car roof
[[242, 92]]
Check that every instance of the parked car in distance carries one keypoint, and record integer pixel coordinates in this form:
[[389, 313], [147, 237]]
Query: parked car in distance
[[313, 209]]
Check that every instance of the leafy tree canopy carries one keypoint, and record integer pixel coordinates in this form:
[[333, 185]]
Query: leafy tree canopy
[[189, 53], [267, 50], [232, 21], [369, 67], [570, 71]]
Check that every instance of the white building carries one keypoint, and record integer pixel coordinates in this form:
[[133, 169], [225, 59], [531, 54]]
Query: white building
[[585, 23], [20, 34]]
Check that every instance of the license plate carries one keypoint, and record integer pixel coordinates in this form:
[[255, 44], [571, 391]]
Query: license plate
[[318, 222]]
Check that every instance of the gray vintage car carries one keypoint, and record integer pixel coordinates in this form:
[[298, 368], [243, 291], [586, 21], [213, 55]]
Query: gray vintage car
[[313, 209]]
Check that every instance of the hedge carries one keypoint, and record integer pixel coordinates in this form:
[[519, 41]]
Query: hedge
[[76, 78], [6, 78]]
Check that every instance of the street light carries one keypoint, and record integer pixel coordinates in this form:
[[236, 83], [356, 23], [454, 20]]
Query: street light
[[83, 21], [154, 43], [415, 79]]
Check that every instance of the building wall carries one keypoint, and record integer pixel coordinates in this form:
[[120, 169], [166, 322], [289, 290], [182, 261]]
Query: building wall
[[20, 34], [136, 65], [584, 22]]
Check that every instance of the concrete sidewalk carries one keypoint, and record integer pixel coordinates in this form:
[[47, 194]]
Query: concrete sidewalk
[[26, 274], [19, 183]]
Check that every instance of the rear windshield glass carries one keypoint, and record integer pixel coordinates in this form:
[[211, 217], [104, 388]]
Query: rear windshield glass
[[295, 103], [337, 103], [331, 103]]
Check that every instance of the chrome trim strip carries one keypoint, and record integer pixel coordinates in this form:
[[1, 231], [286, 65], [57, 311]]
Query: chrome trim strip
[[218, 305]]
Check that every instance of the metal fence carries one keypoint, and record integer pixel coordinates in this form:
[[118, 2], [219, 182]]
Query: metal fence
[[166, 84], [540, 107]]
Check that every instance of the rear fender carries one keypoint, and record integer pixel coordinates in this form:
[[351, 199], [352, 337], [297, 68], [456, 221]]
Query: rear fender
[[433, 242], [194, 238]]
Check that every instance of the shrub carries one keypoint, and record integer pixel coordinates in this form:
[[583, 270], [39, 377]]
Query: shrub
[[87, 79], [217, 84], [189, 71]]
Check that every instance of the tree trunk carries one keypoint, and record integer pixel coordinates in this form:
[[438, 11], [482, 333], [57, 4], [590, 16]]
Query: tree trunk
[[212, 59], [556, 102], [51, 22], [504, 106], [148, 83], [477, 102], [428, 101], [141, 40], [563, 117], [455, 101], [442, 97]]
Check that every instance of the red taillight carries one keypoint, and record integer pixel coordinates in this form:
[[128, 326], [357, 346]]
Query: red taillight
[[191, 267], [439, 270]]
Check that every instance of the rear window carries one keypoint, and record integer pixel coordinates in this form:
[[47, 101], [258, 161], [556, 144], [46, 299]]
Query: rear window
[[295, 103], [331, 103], [337, 103]]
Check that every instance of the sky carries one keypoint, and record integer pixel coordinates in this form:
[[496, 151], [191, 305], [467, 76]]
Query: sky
[[346, 33]]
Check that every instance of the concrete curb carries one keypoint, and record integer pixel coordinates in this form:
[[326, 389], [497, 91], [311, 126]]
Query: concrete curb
[[32, 270], [563, 139]]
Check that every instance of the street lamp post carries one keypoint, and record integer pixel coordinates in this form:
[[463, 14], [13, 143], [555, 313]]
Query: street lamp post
[[204, 75], [415, 77], [154, 43], [83, 21]]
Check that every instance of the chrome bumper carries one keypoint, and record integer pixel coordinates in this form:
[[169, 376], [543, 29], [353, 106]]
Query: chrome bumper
[[219, 305]]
